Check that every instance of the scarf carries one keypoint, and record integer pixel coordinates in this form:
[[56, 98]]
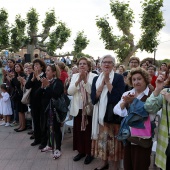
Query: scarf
[[100, 107], [84, 121]]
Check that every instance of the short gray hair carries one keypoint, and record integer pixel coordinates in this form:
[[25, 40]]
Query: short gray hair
[[107, 56]]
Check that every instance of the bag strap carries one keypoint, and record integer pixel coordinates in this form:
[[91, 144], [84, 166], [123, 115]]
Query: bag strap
[[167, 118]]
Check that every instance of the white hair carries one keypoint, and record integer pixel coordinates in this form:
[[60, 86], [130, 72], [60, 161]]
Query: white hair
[[107, 56]]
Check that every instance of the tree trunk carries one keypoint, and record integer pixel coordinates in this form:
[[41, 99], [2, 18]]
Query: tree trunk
[[126, 60], [30, 50]]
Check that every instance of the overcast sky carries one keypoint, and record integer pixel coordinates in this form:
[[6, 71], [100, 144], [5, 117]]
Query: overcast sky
[[81, 14]]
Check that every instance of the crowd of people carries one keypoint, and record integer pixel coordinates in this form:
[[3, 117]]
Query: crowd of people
[[103, 95]]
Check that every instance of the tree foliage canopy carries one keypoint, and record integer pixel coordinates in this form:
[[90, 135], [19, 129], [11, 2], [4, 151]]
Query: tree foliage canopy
[[25, 32], [124, 46], [4, 29], [80, 43]]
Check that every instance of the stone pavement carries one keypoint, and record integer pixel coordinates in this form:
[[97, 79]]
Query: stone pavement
[[17, 154]]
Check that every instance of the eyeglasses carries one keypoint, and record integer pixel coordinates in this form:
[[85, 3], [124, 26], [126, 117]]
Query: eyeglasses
[[133, 62], [107, 62]]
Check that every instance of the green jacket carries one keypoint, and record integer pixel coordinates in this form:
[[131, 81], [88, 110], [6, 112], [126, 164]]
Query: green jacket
[[153, 105]]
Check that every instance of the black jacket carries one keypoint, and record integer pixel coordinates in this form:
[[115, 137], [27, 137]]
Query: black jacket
[[35, 101]]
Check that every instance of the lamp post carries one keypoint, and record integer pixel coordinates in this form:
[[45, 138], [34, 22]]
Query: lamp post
[[154, 55]]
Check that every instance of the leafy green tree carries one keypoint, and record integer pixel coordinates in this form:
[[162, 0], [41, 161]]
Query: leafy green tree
[[80, 43], [124, 46], [25, 32], [4, 29]]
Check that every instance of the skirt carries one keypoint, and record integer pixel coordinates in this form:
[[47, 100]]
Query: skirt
[[107, 147], [82, 139]]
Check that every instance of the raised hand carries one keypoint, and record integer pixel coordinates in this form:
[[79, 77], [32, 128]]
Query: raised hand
[[83, 75], [159, 82], [45, 82], [128, 99]]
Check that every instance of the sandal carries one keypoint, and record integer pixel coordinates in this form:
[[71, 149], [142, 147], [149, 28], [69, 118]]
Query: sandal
[[46, 149], [57, 154]]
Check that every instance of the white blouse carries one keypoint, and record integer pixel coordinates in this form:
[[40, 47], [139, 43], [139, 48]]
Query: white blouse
[[123, 112]]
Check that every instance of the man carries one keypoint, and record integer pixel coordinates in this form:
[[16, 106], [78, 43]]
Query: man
[[134, 62], [163, 67], [63, 60], [68, 61]]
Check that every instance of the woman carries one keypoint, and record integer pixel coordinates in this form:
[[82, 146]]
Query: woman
[[34, 82], [51, 87], [154, 103], [121, 69], [80, 89], [107, 90], [144, 65], [135, 156], [17, 84], [63, 70]]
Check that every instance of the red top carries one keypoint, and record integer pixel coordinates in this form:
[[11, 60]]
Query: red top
[[63, 76], [153, 81]]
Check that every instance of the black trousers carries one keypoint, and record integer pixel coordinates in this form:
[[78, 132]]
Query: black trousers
[[36, 112], [55, 134], [44, 128]]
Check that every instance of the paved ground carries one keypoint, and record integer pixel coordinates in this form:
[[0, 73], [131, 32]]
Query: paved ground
[[17, 154]]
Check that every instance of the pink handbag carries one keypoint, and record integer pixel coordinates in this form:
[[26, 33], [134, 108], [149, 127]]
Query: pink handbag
[[142, 133]]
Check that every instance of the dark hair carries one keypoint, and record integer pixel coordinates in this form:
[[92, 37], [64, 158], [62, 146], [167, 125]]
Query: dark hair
[[41, 62], [36, 56], [152, 66], [21, 67], [12, 60], [4, 86], [0, 64], [88, 62], [164, 63]]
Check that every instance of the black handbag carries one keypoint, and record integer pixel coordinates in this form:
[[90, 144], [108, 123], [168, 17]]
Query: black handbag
[[110, 117], [167, 152], [61, 107]]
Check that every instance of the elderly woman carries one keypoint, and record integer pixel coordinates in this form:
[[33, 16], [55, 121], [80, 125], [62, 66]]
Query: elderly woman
[[161, 99], [80, 89], [135, 156], [107, 90]]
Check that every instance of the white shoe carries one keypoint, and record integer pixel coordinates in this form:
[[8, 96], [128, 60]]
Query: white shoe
[[2, 124], [7, 124]]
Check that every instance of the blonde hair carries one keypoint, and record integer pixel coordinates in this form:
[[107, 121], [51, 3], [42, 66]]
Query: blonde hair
[[62, 66], [56, 69]]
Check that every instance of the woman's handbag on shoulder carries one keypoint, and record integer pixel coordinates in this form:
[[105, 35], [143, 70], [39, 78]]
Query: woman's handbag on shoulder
[[167, 152], [26, 96], [142, 137], [61, 107], [145, 143], [88, 109]]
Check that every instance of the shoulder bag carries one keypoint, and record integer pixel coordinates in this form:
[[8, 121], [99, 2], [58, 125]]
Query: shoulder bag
[[26, 96]]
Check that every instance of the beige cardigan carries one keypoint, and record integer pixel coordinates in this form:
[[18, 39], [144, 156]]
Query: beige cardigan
[[75, 92]]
